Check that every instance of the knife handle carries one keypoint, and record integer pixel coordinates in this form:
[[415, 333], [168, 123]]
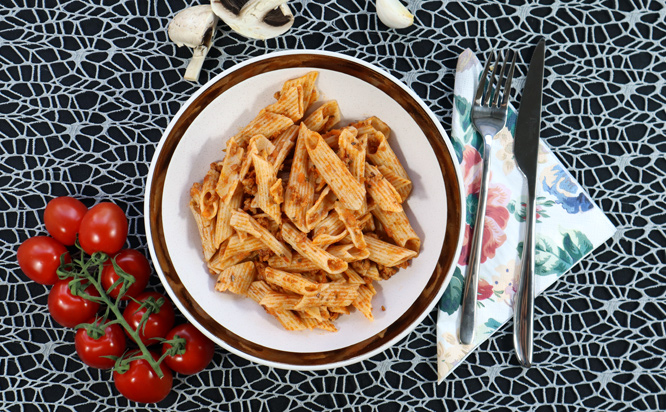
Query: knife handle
[[470, 291], [523, 326]]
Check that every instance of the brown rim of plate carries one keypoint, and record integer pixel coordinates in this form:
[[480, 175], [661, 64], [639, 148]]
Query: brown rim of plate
[[448, 170]]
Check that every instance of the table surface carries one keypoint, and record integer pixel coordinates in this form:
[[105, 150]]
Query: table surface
[[87, 88]]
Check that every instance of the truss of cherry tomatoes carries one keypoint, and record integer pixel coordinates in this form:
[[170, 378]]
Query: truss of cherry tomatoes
[[98, 288]]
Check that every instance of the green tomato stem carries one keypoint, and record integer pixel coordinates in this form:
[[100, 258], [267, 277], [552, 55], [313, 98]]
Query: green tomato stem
[[113, 307]]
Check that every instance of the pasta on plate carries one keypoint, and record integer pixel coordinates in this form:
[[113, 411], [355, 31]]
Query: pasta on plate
[[303, 215]]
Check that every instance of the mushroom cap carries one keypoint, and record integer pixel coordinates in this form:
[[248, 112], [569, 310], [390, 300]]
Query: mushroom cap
[[193, 26], [255, 19]]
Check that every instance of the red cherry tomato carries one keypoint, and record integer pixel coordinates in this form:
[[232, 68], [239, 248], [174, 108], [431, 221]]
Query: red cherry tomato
[[103, 229], [199, 350], [69, 310], [135, 264], [141, 384], [158, 323], [62, 218], [39, 258], [93, 351]]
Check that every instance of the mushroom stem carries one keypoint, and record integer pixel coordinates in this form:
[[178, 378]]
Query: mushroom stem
[[194, 27]]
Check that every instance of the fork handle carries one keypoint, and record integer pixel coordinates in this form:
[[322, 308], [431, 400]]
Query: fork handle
[[523, 325], [470, 292]]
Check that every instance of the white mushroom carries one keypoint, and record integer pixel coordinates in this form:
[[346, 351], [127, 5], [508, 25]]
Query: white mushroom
[[256, 19], [194, 27], [394, 14]]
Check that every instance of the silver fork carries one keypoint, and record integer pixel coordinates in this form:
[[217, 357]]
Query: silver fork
[[488, 119]]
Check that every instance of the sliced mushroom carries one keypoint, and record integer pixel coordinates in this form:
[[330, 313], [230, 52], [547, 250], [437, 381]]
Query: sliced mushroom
[[394, 14], [256, 19], [194, 27]]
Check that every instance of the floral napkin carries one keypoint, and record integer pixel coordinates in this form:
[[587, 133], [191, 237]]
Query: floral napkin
[[569, 225]]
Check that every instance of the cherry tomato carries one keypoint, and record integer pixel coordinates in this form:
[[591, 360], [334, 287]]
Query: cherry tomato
[[157, 325], [93, 351], [132, 262], [69, 310], [103, 229], [141, 384], [199, 350], [39, 258], [62, 218]]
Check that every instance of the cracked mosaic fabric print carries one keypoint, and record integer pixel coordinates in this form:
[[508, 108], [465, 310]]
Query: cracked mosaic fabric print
[[87, 88]]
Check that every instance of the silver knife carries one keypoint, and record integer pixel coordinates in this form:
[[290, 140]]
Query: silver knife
[[526, 150]]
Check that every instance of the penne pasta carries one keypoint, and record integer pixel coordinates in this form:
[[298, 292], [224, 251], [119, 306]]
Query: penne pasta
[[243, 222], [300, 242], [348, 252], [229, 175], [333, 170], [397, 227], [387, 254], [339, 189], [381, 154], [283, 145], [236, 279], [325, 117], [265, 175], [363, 301], [266, 123], [291, 282], [289, 104], [297, 264], [299, 193], [280, 301], [336, 294], [204, 226], [352, 225], [386, 197], [324, 204]]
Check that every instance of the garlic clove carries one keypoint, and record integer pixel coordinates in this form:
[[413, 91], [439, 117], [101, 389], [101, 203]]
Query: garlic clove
[[394, 14]]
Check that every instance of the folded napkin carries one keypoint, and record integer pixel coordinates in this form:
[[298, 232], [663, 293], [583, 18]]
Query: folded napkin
[[569, 225]]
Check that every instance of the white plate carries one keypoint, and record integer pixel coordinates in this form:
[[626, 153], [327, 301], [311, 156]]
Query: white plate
[[195, 138]]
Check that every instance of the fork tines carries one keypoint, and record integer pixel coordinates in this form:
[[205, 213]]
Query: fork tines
[[483, 95]]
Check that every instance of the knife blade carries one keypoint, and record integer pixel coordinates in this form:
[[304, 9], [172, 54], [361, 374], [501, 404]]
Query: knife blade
[[526, 151]]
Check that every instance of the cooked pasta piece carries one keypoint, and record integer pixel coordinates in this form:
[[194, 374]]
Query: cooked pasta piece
[[236, 279], [266, 178], [289, 104], [299, 193], [281, 301], [300, 242], [243, 222], [223, 229], [336, 294], [333, 170], [387, 254], [324, 204], [307, 83], [297, 264], [291, 282], [386, 197], [324, 118], [266, 123], [229, 175], [380, 153], [352, 225], [348, 252], [204, 226], [363, 301], [397, 227]]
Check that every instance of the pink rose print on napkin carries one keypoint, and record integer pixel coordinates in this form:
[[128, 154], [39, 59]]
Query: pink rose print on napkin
[[497, 214]]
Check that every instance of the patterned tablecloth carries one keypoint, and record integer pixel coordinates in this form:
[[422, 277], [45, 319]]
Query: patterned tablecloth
[[86, 89]]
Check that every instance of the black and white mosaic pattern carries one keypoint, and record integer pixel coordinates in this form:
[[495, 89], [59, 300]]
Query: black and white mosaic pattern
[[87, 87]]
